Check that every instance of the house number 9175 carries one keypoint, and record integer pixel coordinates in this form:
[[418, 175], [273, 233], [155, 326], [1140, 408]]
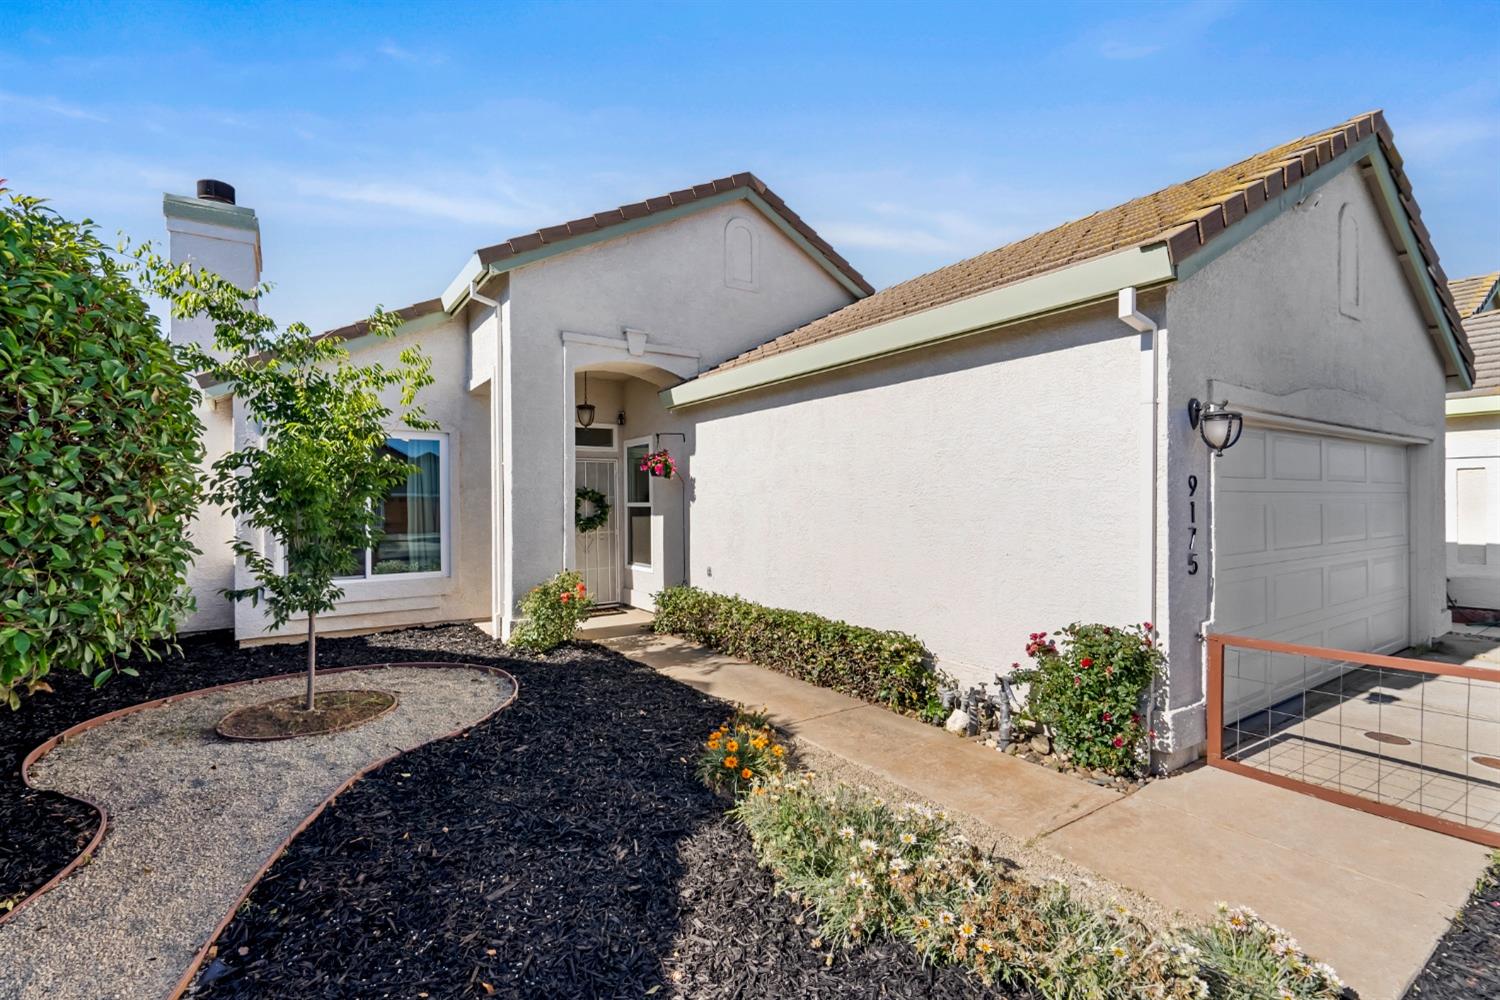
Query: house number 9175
[[1192, 555]]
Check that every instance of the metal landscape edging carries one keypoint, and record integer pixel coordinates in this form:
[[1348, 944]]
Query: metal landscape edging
[[87, 853]]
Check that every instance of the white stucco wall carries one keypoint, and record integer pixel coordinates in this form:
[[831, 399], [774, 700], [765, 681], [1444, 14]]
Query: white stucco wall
[[1262, 327], [969, 494], [212, 530], [464, 593], [667, 281], [1473, 445]]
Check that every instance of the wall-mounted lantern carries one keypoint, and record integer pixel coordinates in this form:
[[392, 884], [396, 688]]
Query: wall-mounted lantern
[[585, 409], [1218, 425]]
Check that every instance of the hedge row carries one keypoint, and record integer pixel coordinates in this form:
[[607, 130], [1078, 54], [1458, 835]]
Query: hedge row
[[890, 668]]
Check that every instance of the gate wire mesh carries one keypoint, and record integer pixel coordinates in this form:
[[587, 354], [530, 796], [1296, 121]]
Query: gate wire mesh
[[1410, 739]]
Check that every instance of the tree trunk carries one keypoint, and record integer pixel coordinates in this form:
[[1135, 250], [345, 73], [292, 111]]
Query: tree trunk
[[312, 657]]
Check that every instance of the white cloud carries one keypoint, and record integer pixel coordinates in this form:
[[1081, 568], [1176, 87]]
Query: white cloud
[[472, 207], [50, 105]]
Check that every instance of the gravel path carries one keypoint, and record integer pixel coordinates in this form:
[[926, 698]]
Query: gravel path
[[193, 817]]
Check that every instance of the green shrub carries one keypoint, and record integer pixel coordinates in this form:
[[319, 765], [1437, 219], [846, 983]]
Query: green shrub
[[873, 872], [740, 753], [1091, 690], [552, 613], [99, 451], [891, 668]]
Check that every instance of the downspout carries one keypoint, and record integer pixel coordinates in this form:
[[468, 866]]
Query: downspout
[[497, 477], [1152, 338]]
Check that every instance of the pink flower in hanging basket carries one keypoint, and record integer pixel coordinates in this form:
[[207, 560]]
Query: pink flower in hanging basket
[[659, 464]]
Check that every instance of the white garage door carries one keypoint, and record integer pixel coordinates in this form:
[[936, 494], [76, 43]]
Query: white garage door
[[1310, 547]]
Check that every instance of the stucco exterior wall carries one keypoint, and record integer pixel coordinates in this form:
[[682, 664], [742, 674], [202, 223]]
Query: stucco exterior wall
[[969, 494], [464, 593], [1262, 326], [212, 530], [669, 282], [1473, 547]]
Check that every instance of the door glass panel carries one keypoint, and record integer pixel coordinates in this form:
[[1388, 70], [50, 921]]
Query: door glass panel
[[638, 482]]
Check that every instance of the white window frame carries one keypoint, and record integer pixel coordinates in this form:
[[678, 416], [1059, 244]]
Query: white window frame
[[649, 503], [613, 448], [445, 509]]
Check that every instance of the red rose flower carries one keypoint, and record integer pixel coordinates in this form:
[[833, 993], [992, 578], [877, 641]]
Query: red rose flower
[[1107, 717], [565, 597], [1118, 742], [1087, 661]]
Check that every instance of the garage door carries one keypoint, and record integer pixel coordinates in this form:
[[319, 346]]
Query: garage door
[[1310, 547]]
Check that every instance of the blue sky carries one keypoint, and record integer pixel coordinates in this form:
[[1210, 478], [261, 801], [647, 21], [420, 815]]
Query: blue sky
[[381, 143]]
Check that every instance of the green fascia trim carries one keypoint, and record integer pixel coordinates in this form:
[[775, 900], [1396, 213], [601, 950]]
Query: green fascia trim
[[458, 288], [1092, 281], [1472, 406], [1269, 212], [177, 206], [1414, 256], [419, 325], [1367, 149]]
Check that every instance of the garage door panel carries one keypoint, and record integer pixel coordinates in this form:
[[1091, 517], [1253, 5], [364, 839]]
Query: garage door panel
[[1247, 459], [1310, 547], [1296, 457], [1297, 593]]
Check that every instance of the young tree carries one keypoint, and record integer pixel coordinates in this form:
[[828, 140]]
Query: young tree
[[99, 453], [316, 478]]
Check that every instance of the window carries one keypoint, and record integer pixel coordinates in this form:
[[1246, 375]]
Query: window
[[637, 506], [741, 255], [598, 436], [413, 516]]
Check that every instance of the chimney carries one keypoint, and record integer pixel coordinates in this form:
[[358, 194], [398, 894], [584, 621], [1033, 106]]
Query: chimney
[[211, 231]]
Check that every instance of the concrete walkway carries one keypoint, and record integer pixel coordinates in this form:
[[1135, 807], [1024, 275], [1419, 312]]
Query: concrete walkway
[[1368, 895]]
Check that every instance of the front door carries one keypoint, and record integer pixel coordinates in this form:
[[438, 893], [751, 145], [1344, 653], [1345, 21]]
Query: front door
[[596, 552]]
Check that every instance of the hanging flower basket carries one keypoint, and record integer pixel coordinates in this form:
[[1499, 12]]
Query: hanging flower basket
[[659, 464], [598, 513]]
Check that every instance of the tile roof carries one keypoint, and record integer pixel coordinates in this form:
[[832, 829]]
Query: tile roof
[[528, 242], [1184, 217], [1469, 293], [1483, 330]]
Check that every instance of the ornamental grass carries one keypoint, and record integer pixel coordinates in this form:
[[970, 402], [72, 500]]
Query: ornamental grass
[[874, 871]]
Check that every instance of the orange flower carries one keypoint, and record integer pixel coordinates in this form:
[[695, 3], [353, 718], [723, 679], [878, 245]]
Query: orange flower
[[582, 589], [745, 774], [713, 744], [778, 750], [565, 597], [733, 745], [731, 762]]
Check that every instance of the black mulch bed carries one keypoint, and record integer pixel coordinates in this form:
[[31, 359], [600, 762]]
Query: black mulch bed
[[1466, 963], [561, 849]]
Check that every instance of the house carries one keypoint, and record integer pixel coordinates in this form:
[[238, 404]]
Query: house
[[998, 447], [1473, 444]]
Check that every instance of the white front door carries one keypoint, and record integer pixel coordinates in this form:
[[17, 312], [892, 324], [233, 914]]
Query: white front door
[[1310, 547], [597, 552]]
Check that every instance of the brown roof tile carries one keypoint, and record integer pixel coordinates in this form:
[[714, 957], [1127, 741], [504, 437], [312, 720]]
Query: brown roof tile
[[1483, 331], [1469, 293], [1184, 217]]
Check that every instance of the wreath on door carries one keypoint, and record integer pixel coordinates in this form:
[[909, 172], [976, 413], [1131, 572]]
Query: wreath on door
[[593, 521]]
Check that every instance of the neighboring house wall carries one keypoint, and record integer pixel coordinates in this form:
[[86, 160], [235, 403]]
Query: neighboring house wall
[[463, 594], [970, 493], [1473, 510], [1270, 327], [675, 283]]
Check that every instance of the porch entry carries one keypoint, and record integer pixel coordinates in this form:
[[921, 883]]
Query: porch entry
[[597, 552]]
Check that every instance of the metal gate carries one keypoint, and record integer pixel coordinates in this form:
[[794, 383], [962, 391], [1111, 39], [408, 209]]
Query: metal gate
[[597, 552]]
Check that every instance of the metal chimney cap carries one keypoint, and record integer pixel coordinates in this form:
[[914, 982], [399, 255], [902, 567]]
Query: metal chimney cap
[[212, 190]]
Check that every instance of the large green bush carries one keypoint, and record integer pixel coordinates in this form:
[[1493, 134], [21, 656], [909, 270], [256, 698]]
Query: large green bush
[[99, 451], [1088, 686], [891, 668]]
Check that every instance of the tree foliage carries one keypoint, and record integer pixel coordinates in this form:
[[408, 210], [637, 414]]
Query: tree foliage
[[99, 453], [315, 479]]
